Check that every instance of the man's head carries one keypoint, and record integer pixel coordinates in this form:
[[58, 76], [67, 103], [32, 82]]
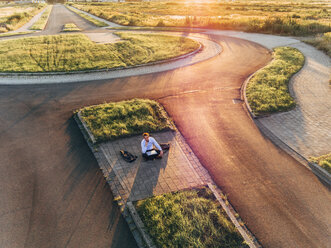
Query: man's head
[[146, 136]]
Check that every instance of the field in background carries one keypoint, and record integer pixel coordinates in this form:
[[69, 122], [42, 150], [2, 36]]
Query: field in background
[[277, 17], [14, 16]]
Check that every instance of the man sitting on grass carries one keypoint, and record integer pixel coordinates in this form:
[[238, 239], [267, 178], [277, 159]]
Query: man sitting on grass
[[150, 148]]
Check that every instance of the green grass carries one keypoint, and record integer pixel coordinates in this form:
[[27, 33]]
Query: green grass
[[89, 18], [323, 161], [120, 119], [42, 21], [76, 52], [16, 20], [267, 91], [277, 17], [13, 34], [70, 27], [188, 219]]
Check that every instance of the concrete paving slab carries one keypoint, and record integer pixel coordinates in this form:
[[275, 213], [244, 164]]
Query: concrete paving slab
[[141, 179]]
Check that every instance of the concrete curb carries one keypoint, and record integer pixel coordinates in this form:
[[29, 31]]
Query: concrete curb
[[316, 169], [140, 225], [87, 130]]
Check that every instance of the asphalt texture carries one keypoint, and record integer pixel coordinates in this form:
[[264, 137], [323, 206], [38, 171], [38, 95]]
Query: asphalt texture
[[53, 194]]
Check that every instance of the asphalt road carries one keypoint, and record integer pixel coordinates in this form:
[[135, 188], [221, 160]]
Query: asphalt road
[[52, 193], [60, 15]]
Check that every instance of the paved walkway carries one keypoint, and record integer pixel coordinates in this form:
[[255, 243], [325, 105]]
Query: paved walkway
[[307, 128], [26, 27], [178, 169]]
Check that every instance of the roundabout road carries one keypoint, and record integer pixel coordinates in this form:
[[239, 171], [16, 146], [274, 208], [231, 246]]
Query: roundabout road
[[53, 194]]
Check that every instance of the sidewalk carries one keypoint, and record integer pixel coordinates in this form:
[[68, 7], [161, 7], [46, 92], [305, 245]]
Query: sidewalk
[[306, 129]]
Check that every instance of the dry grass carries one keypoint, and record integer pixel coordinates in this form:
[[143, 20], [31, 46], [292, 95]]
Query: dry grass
[[70, 27], [17, 19], [119, 119], [267, 91], [278, 17], [41, 23], [188, 219], [77, 52]]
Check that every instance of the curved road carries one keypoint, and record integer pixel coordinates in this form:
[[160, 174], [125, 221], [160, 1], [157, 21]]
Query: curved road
[[53, 194]]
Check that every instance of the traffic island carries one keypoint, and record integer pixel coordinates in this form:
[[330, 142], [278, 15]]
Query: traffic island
[[111, 127]]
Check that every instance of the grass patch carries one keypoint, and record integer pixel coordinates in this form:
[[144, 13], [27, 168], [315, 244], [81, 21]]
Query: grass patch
[[88, 18], [42, 21], [120, 119], [323, 161], [276, 17], [70, 27], [76, 52], [321, 42], [13, 34], [267, 91], [17, 19], [188, 219]]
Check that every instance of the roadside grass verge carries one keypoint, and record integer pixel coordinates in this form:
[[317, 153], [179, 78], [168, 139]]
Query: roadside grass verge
[[109, 121], [42, 21], [70, 27], [321, 42], [13, 34], [16, 20], [323, 161], [191, 218], [276, 17], [75, 52], [267, 92], [88, 18]]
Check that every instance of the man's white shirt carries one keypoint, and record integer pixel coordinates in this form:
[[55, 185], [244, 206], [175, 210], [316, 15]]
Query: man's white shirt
[[150, 144]]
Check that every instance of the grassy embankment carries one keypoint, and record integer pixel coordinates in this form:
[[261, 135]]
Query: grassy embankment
[[188, 219], [119, 119], [42, 21], [70, 27], [89, 18], [276, 17], [19, 15], [77, 52], [323, 161], [267, 91]]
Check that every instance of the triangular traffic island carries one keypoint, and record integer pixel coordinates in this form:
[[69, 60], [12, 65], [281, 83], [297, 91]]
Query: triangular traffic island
[[110, 128]]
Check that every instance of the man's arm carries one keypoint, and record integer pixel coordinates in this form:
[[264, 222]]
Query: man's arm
[[156, 144], [143, 147]]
